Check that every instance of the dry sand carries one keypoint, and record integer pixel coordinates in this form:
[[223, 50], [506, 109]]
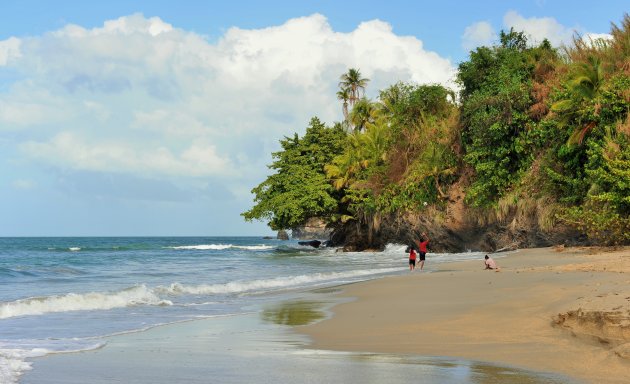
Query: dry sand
[[549, 309]]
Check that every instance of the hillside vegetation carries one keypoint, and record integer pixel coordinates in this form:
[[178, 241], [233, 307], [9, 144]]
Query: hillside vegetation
[[533, 150]]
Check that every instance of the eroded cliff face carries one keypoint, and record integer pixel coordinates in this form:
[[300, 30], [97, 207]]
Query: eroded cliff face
[[451, 237], [315, 228], [457, 228]]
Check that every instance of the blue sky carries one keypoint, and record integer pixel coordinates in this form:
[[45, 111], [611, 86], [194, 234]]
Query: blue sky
[[158, 117]]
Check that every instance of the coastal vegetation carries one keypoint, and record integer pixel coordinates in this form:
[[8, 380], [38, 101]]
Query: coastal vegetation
[[536, 141]]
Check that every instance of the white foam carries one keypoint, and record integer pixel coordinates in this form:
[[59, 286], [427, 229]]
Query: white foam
[[260, 247], [13, 362], [205, 247], [138, 295], [276, 283], [74, 249]]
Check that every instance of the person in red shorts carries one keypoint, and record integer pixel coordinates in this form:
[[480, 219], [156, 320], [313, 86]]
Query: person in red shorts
[[422, 247]]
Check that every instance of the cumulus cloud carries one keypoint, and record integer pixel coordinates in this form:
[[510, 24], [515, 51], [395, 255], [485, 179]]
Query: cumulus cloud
[[536, 28], [478, 34], [67, 150], [540, 28], [9, 50], [139, 95], [592, 37]]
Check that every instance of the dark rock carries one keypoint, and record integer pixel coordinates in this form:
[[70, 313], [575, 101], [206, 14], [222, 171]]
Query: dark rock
[[447, 237], [283, 235], [312, 243]]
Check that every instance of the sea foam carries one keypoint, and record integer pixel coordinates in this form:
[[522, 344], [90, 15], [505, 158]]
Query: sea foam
[[138, 295], [218, 247], [13, 362], [287, 282]]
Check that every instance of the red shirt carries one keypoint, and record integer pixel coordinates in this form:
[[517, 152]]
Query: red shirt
[[423, 246], [412, 255]]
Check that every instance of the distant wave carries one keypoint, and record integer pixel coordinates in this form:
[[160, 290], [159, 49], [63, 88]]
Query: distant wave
[[15, 272], [204, 247], [138, 295], [276, 283]]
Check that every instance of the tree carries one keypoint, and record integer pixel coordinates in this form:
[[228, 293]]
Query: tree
[[299, 189], [363, 112], [344, 96], [496, 98], [354, 84], [582, 88]]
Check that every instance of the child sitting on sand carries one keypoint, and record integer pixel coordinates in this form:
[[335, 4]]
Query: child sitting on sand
[[491, 264]]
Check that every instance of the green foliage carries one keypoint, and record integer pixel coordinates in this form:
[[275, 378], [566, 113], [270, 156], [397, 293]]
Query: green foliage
[[540, 134], [414, 119], [601, 223], [299, 189], [495, 103], [592, 108]]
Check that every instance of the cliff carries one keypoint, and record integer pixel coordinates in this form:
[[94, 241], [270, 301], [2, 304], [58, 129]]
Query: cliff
[[314, 228], [456, 227]]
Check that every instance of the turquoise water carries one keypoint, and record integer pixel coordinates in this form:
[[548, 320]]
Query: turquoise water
[[72, 294]]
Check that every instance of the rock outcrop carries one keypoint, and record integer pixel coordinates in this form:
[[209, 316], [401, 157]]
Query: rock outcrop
[[457, 228], [283, 235], [314, 228]]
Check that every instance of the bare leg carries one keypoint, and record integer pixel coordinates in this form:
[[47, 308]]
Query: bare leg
[[421, 264]]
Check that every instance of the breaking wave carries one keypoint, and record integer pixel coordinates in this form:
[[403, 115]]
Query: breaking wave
[[138, 295], [266, 284], [218, 247]]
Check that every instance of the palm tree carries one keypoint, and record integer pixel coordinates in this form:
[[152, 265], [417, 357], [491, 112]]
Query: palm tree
[[344, 95], [354, 83], [583, 87], [345, 166], [363, 112]]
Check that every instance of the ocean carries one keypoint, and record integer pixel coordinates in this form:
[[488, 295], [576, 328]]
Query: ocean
[[72, 294]]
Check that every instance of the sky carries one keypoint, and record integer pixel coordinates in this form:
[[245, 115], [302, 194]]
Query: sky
[[157, 118]]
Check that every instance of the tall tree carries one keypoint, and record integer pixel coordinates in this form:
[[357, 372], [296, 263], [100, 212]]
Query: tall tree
[[364, 112], [354, 84], [344, 96], [299, 189]]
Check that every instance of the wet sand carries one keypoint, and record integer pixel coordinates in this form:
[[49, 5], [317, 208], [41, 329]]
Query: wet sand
[[549, 309], [261, 347]]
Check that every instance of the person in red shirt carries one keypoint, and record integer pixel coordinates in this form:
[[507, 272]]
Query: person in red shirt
[[422, 246], [412, 258]]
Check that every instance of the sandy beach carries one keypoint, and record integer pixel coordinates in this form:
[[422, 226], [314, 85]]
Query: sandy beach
[[549, 316], [550, 309]]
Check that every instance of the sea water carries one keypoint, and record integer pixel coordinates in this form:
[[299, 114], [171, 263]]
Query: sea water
[[62, 295]]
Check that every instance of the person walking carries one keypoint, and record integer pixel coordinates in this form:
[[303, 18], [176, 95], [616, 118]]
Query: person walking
[[412, 258], [422, 247]]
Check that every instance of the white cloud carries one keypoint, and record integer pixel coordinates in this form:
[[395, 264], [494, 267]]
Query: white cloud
[[139, 95], [67, 150], [539, 28], [478, 34], [592, 37], [9, 50], [536, 29], [23, 184]]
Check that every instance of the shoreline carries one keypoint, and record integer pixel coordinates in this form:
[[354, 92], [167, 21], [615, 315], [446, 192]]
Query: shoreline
[[557, 310]]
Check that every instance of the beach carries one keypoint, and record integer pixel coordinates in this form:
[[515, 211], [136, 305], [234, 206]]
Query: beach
[[549, 309], [548, 316]]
